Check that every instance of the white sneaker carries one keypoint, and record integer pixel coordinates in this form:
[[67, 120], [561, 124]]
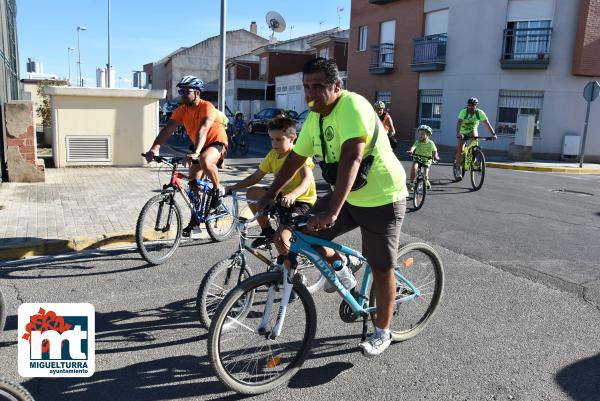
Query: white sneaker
[[378, 342], [346, 278]]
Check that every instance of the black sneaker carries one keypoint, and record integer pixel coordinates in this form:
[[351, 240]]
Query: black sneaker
[[266, 238], [186, 232], [216, 198]]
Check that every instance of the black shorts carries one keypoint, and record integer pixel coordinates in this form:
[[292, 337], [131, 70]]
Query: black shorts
[[217, 145], [379, 227]]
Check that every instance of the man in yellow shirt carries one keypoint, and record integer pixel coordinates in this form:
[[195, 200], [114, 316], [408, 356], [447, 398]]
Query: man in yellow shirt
[[342, 125]]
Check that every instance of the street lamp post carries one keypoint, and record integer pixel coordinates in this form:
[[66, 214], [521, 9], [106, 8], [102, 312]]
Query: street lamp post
[[108, 65], [69, 50], [222, 57], [79, 28]]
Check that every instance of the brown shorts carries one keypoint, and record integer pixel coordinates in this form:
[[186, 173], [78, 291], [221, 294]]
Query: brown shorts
[[379, 227]]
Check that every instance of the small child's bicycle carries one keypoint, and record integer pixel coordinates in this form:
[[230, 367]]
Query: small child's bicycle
[[159, 230], [262, 331], [419, 186], [473, 160], [228, 273]]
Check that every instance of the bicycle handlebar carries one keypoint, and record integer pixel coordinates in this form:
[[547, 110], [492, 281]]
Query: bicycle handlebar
[[482, 138], [169, 160]]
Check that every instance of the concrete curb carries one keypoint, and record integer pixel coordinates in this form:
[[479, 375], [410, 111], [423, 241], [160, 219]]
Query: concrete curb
[[541, 169], [60, 246]]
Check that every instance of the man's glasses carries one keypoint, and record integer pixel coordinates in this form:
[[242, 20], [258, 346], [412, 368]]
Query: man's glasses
[[184, 91]]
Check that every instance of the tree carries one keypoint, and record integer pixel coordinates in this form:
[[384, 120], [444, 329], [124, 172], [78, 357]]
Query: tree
[[44, 109]]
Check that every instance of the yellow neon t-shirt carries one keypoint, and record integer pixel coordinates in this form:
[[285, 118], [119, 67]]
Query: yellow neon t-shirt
[[272, 164]]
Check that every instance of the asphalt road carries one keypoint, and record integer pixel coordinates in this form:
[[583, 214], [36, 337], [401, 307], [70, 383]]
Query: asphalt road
[[514, 322]]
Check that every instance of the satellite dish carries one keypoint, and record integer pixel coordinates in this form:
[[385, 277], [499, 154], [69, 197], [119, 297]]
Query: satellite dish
[[275, 22]]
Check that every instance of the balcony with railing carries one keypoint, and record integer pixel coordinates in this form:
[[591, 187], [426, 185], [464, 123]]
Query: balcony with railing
[[429, 53], [382, 61], [526, 48]]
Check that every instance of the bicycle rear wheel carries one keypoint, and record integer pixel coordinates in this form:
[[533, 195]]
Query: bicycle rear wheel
[[242, 355], [218, 281], [158, 229], [477, 169], [419, 193], [2, 312], [220, 228], [244, 147], [420, 265], [12, 391]]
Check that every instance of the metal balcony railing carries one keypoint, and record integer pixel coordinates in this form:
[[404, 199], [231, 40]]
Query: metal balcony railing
[[429, 53], [382, 61], [526, 48]]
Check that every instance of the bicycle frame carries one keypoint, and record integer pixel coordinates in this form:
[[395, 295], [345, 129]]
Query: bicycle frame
[[304, 244], [190, 197], [468, 153]]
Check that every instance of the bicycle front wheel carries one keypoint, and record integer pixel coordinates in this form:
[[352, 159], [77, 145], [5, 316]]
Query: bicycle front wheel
[[419, 193], [219, 223], [10, 390], [241, 351], [218, 281], [477, 169], [158, 229], [418, 266]]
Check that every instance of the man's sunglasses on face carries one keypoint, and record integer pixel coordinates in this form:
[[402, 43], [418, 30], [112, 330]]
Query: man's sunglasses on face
[[185, 91]]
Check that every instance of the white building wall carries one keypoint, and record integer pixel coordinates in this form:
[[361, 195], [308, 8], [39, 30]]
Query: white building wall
[[473, 69]]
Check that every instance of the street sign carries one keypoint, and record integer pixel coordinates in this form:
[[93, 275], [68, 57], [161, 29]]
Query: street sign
[[591, 91]]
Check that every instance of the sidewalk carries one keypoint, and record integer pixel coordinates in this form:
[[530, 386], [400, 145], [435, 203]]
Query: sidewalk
[[82, 208], [86, 208]]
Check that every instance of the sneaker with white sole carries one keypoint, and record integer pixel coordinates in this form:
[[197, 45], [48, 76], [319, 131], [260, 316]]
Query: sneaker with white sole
[[378, 342]]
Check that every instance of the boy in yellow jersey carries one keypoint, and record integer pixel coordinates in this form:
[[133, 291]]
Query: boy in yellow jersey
[[423, 151], [299, 194]]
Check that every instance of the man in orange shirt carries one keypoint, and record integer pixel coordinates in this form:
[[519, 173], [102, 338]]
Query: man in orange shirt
[[205, 128]]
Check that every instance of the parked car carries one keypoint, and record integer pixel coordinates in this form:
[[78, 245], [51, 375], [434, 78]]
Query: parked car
[[261, 119], [300, 120]]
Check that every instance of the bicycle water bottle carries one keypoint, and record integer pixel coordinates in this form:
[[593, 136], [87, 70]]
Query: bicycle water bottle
[[344, 275]]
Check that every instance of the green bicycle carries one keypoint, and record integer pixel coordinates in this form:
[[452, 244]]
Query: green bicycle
[[473, 161]]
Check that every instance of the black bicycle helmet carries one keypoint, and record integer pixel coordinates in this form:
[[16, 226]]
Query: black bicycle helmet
[[472, 100]]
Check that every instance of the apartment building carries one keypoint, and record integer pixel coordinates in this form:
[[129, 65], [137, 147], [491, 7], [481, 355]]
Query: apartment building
[[517, 57], [9, 71]]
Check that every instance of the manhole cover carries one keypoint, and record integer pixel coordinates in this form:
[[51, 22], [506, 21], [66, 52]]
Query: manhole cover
[[571, 192]]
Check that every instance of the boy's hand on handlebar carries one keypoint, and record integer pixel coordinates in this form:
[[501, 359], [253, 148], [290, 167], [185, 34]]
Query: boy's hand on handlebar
[[287, 200]]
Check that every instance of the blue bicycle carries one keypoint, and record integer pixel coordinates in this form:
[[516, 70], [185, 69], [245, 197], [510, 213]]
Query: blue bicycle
[[159, 230], [261, 334]]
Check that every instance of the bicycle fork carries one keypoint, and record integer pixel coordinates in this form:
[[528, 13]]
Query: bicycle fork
[[288, 286]]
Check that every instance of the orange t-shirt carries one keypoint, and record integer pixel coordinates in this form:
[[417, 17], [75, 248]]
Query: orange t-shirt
[[192, 118]]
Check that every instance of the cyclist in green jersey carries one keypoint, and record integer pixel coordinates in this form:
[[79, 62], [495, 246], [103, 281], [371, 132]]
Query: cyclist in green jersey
[[468, 121]]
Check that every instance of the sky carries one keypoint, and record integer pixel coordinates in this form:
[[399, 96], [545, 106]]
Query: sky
[[146, 31]]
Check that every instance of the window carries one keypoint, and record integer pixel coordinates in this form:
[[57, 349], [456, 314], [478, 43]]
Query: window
[[385, 97], [511, 103], [324, 52], [527, 39], [263, 65], [362, 38], [430, 107]]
